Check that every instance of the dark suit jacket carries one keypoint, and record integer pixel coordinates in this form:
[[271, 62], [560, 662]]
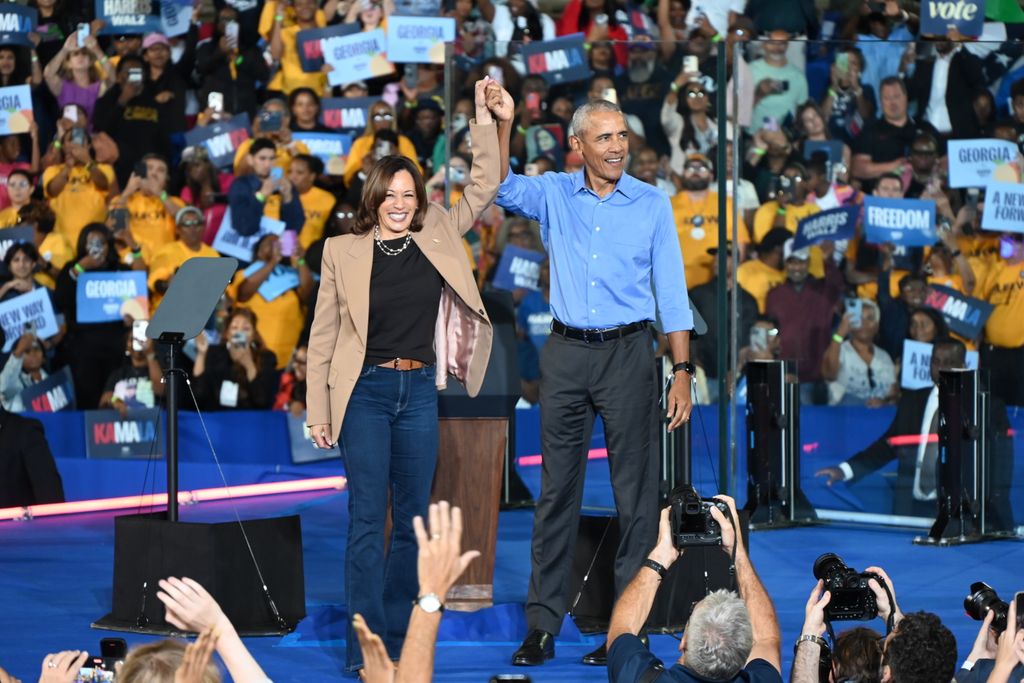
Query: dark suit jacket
[[28, 474], [965, 81]]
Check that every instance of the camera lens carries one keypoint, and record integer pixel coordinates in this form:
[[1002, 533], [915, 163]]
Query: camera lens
[[827, 566], [981, 600]]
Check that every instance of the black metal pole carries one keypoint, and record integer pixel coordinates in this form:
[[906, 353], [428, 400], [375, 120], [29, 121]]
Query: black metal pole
[[721, 322], [172, 433]]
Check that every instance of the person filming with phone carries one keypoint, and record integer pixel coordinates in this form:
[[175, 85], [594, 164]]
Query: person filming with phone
[[77, 188], [264, 191], [151, 210]]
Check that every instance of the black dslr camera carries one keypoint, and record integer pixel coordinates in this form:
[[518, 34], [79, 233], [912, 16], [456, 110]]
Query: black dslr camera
[[981, 601], [691, 520], [852, 598]]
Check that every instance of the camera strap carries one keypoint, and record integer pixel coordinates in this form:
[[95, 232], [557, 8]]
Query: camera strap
[[652, 673]]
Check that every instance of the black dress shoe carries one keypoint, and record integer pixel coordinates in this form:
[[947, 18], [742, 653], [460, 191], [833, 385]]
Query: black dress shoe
[[537, 648], [599, 657]]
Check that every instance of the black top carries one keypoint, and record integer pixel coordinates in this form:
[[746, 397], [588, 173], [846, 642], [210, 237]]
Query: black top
[[255, 395], [405, 292], [883, 141], [28, 473]]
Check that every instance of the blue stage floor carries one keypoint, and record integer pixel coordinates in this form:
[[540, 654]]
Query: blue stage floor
[[57, 579]]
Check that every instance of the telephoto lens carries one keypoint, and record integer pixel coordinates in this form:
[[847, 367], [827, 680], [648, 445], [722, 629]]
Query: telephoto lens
[[981, 600], [852, 599]]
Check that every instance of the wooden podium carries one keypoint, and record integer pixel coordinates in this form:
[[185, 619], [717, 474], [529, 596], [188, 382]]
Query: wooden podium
[[471, 452]]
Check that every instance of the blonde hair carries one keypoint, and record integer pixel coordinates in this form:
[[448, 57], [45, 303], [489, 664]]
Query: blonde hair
[[157, 662]]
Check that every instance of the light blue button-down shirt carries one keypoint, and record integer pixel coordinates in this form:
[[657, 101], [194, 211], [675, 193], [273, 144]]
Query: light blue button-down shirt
[[605, 253]]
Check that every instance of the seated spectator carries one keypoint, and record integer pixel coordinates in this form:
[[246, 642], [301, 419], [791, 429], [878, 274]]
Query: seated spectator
[[279, 312], [926, 326], [19, 195], [1003, 350], [24, 367], [316, 203], [125, 44], [28, 473], [74, 75], [474, 33], [304, 106], [164, 83], [887, 45], [828, 187], [291, 391], [926, 171], [778, 85], [380, 117], [20, 262], [204, 187], [641, 92], [284, 49], [14, 71], [849, 102], [237, 373], [645, 166], [168, 258], [229, 67], [10, 155], [788, 208], [54, 250], [768, 155], [946, 265], [728, 637], [151, 210], [425, 133], [370, 15], [104, 149], [686, 122], [258, 194], [515, 22], [912, 290], [763, 343], [281, 135], [597, 20], [93, 349], [133, 117], [744, 193], [811, 123], [78, 188], [858, 371], [138, 382], [760, 274]]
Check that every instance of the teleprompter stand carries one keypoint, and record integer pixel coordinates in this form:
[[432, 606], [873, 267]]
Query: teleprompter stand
[[240, 563]]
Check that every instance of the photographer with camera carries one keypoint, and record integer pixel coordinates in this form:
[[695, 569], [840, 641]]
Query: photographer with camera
[[727, 638], [984, 605]]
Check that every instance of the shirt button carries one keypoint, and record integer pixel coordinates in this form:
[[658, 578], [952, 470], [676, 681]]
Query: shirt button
[[597, 229], [595, 255], [593, 283], [593, 310]]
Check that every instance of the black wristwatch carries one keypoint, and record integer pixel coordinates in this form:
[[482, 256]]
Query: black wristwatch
[[686, 365]]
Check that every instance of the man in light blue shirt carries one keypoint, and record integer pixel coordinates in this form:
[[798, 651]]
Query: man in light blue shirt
[[609, 237]]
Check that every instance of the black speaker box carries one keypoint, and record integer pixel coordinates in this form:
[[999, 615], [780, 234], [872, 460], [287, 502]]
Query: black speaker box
[[148, 548], [699, 571]]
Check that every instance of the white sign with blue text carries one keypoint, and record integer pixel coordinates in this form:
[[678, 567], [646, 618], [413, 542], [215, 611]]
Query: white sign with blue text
[[1004, 208], [971, 162]]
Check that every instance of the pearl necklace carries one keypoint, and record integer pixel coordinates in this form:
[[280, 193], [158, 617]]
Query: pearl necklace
[[389, 251]]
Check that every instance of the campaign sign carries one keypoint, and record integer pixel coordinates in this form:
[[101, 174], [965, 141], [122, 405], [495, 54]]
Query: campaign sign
[[129, 16], [910, 222], [53, 394], [107, 297], [221, 140], [32, 309], [915, 369], [311, 55], [832, 149], [230, 243], [938, 16], [15, 109], [418, 8], [346, 113], [357, 57], [175, 16], [835, 224], [964, 314], [518, 269], [11, 236], [108, 435], [281, 279], [1004, 208], [419, 39], [971, 162], [562, 60], [330, 148], [301, 442], [16, 22]]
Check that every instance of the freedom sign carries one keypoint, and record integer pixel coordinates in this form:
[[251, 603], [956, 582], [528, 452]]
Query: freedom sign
[[562, 60], [230, 243], [16, 22], [1004, 208], [310, 48], [53, 394], [11, 236], [971, 162], [32, 309], [964, 314], [518, 269], [108, 435], [129, 16], [839, 223], [221, 140], [419, 39], [358, 57], [330, 148], [108, 297], [907, 222], [15, 109], [346, 113], [938, 16]]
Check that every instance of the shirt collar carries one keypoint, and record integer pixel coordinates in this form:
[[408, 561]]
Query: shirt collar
[[626, 185]]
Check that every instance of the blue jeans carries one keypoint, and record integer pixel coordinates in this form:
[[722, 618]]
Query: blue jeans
[[389, 446]]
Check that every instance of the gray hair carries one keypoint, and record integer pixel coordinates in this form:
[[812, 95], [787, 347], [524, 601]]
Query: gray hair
[[581, 117], [719, 636]]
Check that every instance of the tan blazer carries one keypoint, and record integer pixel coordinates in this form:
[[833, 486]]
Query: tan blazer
[[463, 334]]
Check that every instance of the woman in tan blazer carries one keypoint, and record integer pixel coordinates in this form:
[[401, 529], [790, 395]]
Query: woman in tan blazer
[[398, 311]]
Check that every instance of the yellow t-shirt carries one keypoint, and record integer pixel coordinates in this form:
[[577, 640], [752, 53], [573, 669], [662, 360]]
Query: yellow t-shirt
[[362, 145], [283, 160], [697, 229], [166, 261], [758, 278], [151, 224], [317, 205], [57, 251], [279, 322], [80, 202], [765, 217], [1004, 288], [266, 26], [9, 217], [291, 74]]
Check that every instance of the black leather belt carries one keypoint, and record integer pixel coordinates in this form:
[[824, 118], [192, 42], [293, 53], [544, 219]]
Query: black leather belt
[[597, 335]]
